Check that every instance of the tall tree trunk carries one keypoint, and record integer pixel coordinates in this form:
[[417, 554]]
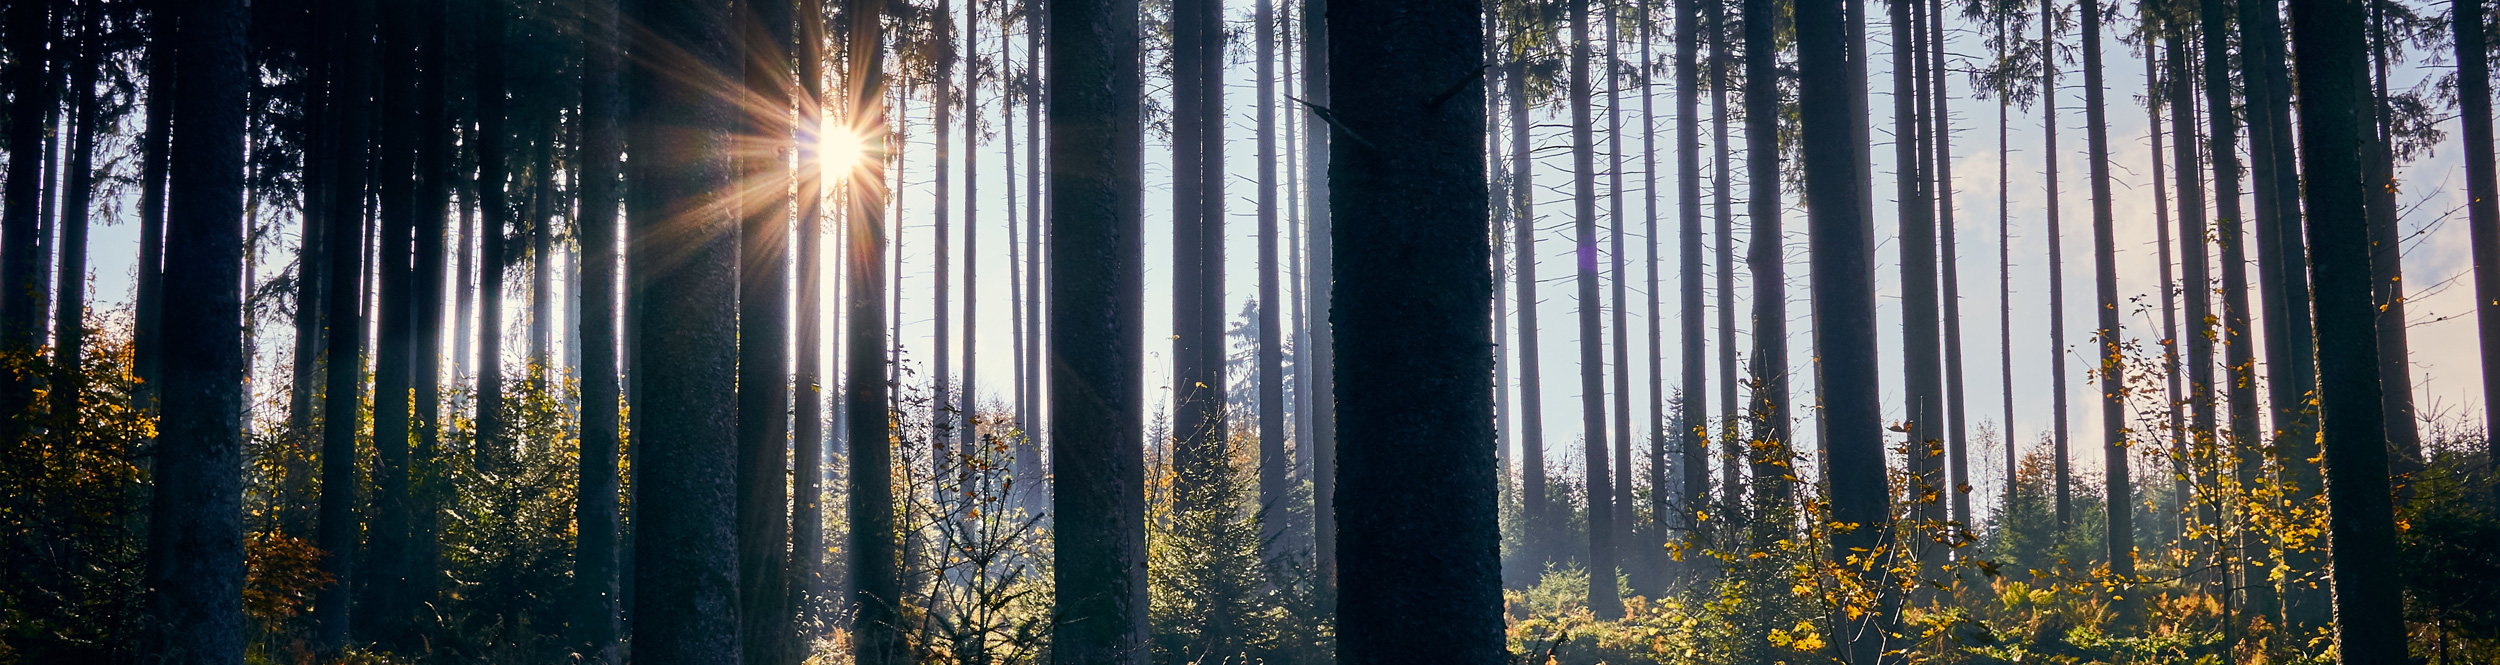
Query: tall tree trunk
[[31, 101], [1422, 583], [875, 586], [2005, 269], [1622, 329], [807, 439], [686, 563], [2368, 601], [1766, 263], [344, 389], [969, 409], [70, 314], [1662, 514], [2195, 286], [2482, 179], [1603, 597], [595, 580], [2239, 355], [1844, 303], [1097, 321], [2168, 336], [1693, 404], [385, 599], [493, 218], [2121, 497], [1272, 461], [2280, 253], [1956, 412], [1731, 475], [763, 333], [1198, 291], [434, 178], [1036, 382], [544, 206], [1921, 335], [2387, 257], [1536, 517], [2057, 276], [195, 564], [147, 316], [942, 103], [1315, 84]]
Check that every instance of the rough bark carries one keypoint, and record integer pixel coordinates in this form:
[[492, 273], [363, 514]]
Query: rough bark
[[2112, 372], [1766, 263], [2482, 179], [1694, 406], [874, 583], [1422, 570], [1604, 598], [1532, 481]]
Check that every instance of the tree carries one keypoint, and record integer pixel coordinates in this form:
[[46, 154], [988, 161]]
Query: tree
[[763, 331], [942, 412], [2222, 136], [2121, 537], [343, 391], [807, 466], [2482, 179], [1693, 411], [875, 575], [1422, 581], [1731, 438], [1622, 330], [195, 564], [1765, 259], [1534, 511], [1603, 597], [2292, 364], [1956, 412], [493, 219], [385, 599], [2049, 18], [1097, 320], [1662, 517], [1921, 332], [147, 316], [1844, 308], [1272, 462], [70, 321], [2196, 269], [1198, 240], [31, 101], [1315, 84], [2368, 601], [685, 555], [597, 587], [969, 409]]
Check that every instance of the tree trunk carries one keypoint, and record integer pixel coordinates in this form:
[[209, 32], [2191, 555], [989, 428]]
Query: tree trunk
[[1315, 83], [1622, 330], [1662, 515], [1029, 460], [1731, 473], [1844, 304], [344, 389], [1956, 412], [595, 579], [31, 101], [385, 600], [942, 101], [874, 582], [147, 316], [2368, 600], [807, 439], [1097, 283], [2222, 134], [1603, 597], [2280, 253], [2057, 278], [195, 565], [2483, 197], [1693, 404], [1423, 581], [1766, 263], [434, 178], [2195, 287], [2387, 259], [2005, 270], [1536, 518], [494, 212], [763, 331], [1272, 461], [1921, 334], [686, 561], [2121, 497], [70, 318], [969, 409]]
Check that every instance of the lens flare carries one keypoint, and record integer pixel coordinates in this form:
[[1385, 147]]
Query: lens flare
[[837, 150]]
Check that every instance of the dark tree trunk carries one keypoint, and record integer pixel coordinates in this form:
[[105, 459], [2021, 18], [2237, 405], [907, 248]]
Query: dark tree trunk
[[2368, 600], [2239, 355], [686, 560], [2005, 270], [2112, 373], [1844, 306], [763, 331], [875, 582], [147, 316], [344, 388], [969, 409], [1621, 329], [942, 100], [1315, 83], [69, 320], [1029, 463], [596, 586], [1097, 300], [1731, 474], [195, 561], [1693, 406], [385, 599], [1662, 515], [2057, 278], [434, 178], [1603, 597], [494, 212], [1422, 582], [1198, 244], [2196, 283], [1956, 413], [2482, 179], [544, 202], [2280, 255], [1535, 512], [2387, 287], [21, 283], [1921, 336], [1766, 261], [807, 439], [1272, 461]]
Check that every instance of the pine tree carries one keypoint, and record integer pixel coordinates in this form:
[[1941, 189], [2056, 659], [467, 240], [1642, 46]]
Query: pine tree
[[1603, 598], [2483, 194]]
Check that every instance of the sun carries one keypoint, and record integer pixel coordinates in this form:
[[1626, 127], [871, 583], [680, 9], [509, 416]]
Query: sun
[[837, 149]]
